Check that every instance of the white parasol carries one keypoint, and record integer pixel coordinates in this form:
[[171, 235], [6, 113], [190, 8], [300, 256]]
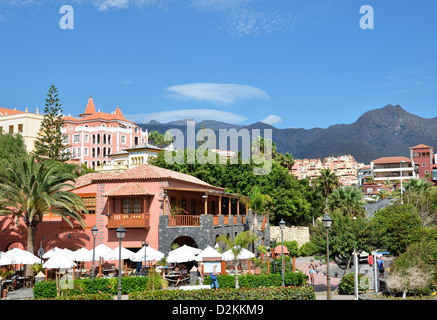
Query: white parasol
[[115, 254], [210, 253], [186, 249], [51, 252], [82, 254], [181, 256], [151, 255], [59, 261], [244, 254], [4, 260], [101, 251], [18, 256]]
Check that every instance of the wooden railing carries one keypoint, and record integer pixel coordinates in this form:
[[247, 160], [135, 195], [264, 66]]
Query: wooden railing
[[184, 220], [129, 220]]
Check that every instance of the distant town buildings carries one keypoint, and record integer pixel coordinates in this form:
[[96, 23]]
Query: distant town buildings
[[346, 167]]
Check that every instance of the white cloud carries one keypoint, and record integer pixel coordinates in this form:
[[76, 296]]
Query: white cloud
[[272, 119], [195, 114], [105, 5], [222, 94]]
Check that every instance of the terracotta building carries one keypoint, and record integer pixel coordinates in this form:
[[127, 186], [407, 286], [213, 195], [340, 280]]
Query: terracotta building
[[153, 204]]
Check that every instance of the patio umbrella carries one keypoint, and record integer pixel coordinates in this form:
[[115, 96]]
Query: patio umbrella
[[23, 257], [186, 249], [51, 252], [244, 254], [209, 252], [181, 256], [101, 251], [115, 254], [151, 255], [82, 254], [11, 254], [59, 261], [4, 260]]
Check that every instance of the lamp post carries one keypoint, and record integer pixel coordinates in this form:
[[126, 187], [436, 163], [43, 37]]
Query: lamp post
[[121, 232], [282, 227], [327, 221], [402, 188], [145, 245], [94, 231]]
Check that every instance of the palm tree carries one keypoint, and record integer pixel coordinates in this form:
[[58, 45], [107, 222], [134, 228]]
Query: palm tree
[[29, 188], [326, 183], [348, 200], [242, 240]]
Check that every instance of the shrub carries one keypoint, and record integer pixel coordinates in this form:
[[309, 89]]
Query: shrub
[[274, 293], [45, 290], [263, 280], [293, 248], [307, 249], [347, 282]]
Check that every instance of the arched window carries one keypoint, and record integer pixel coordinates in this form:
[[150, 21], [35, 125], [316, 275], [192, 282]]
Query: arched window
[[98, 152], [109, 139], [93, 153], [94, 139], [104, 139], [98, 163], [104, 152], [93, 164], [98, 138]]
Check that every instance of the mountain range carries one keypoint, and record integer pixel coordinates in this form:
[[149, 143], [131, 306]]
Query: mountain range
[[388, 131]]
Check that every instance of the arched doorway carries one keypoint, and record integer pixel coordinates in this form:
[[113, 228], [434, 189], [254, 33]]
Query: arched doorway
[[180, 241]]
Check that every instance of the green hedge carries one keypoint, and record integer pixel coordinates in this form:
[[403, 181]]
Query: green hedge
[[272, 293], [263, 280], [88, 287]]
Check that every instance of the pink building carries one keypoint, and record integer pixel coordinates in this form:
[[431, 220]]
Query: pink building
[[95, 135]]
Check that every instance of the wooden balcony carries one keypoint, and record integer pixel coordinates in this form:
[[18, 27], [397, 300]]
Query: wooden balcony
[[184, 221], [129, 220]]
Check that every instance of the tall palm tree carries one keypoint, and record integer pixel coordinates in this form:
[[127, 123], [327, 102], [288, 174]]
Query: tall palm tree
[[326, 183], [348, 200], [29, 188], [242, 240]]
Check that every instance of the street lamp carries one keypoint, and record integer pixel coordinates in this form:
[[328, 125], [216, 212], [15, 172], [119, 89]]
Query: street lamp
[[145, 245], [94, 231], [327, 221], [402, 188], [121, 232], [282, 227]]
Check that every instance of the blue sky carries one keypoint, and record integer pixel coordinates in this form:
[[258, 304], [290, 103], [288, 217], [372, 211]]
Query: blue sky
[[291, 63]]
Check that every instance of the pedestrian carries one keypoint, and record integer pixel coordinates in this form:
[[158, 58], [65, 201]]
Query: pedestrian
[[312, 267], [213, 277], [200, 273], [380, 263]]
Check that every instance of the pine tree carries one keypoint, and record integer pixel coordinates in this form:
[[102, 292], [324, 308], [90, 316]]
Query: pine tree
[[49, 143]]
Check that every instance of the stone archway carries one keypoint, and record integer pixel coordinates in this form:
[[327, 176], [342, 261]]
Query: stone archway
[[180, 241]]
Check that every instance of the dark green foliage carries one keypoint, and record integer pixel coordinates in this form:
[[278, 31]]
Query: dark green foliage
[[347, 284], [49, 143], [262, 280], [273, 293]]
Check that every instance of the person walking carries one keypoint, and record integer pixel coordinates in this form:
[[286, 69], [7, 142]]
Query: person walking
[[213, 277], [381, 269], [312, 267]]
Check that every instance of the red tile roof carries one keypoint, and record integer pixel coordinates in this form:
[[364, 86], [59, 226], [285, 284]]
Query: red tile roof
[[127, 189], [391, 160], [90, 108], [5, 111], [421, 146], [144, 172]]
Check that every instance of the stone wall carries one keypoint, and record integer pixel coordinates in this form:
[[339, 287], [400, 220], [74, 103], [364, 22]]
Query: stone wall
[[299, 234]]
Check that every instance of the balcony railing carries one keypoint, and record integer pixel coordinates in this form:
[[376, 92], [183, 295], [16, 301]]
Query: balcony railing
[[184, 221], [129, 220]]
